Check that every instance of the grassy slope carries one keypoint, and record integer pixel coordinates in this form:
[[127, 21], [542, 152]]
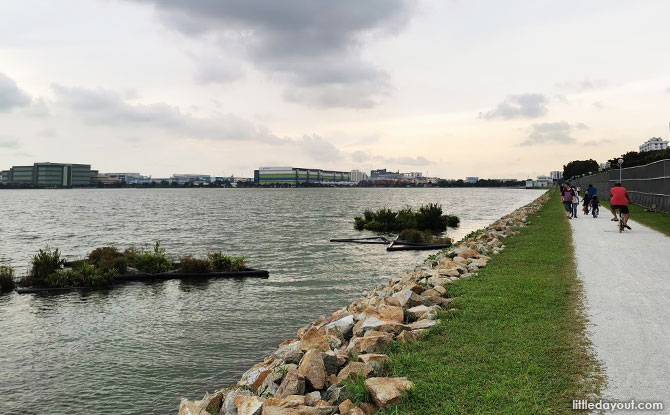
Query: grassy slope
[[659, 221], [516, 344]]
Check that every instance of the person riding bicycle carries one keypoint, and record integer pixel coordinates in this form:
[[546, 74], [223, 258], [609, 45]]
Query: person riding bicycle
[[595, 206], [592, 191], [619, 201], [586, 202]]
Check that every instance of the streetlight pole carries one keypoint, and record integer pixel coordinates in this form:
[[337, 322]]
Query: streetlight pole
[[620, 161]]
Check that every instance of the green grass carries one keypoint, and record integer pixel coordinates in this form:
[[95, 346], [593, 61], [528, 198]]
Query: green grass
[[515, 344], [356, 390], [659, 221]]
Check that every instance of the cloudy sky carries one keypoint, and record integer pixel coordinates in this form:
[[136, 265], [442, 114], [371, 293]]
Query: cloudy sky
[[450, 88]]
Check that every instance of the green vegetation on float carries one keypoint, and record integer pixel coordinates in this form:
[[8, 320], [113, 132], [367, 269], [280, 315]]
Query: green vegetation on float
[[426, 218], [102, 265], [515, 342]]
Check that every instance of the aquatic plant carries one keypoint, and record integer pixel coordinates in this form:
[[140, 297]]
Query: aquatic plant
[[151, 262], [82, 274], [430, 217], [7, 282], [109, 259], [407, 219], [417, 236], [453, 221], [226, 263], [194, 265], [427, 218], [44, 263]]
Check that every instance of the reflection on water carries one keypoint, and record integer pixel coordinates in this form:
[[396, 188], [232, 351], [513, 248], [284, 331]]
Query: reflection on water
[[140, 347]]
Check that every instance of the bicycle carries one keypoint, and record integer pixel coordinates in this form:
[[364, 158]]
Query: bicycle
[[595, 211], [621, 224]]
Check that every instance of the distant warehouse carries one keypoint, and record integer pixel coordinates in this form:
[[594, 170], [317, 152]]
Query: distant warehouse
[[295, 176], [49, 175]]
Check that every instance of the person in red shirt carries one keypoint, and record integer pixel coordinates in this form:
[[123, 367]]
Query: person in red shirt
[[619, 201]]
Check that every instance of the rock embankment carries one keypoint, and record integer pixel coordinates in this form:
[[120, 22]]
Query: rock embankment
[[307, 375]]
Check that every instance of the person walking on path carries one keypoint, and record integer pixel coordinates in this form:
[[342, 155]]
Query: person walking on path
[[619, 201], [566, 197], [575, 203]]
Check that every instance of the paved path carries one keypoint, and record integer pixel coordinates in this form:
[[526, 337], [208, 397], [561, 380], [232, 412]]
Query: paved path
[[627, 284]]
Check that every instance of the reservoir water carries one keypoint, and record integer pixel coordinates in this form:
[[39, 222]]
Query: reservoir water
[[140, 347]]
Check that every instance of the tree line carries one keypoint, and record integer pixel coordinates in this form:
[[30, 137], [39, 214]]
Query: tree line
[[630, 159]]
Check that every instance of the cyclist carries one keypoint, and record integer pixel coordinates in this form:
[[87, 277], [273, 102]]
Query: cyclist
[[595, 206], [587, 202], [592, 191], [619, 201]]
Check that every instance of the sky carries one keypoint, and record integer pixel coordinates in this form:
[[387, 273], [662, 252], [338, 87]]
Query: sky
[[450, 88]]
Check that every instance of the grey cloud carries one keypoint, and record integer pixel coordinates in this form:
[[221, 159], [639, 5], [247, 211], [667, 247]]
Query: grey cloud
[[561, 98], [319, 149], [519, 106], [353, 95], [668, 90], [103, 107], [598, 105], [49, 132], [409, 161], [583, 85], [10, 95], [8, 143], [38, 108], [594, 143], [216, 69], [361, 157], [315, 46], [558, 132]]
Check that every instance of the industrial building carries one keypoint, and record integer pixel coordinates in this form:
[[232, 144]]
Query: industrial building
[[129, 178], [295, 176], [191, 178], [382, 174], [358, 176], [49, 175]]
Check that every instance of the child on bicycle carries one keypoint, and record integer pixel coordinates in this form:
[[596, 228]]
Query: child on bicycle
[[586, 202], [595, 206]]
